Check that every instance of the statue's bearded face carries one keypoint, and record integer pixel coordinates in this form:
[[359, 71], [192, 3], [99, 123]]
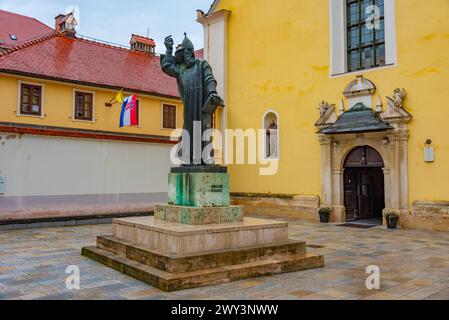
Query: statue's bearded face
[[185, 56], [189, 57], [179, 56]]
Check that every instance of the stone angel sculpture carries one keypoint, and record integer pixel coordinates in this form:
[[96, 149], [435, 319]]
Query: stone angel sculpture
[[398, 97], [323, 107]]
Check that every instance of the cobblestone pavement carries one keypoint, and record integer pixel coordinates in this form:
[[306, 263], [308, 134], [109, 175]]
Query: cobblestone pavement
[[413, 264]]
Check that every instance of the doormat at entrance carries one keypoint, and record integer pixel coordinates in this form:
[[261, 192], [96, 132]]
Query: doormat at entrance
[[315, 246], [356, 225]]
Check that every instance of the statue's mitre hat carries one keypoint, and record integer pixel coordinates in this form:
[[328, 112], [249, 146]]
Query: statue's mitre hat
[[186, 44]]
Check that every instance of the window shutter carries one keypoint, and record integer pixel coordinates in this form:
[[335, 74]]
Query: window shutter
[[31, 99], [169, 117], [84, 106]]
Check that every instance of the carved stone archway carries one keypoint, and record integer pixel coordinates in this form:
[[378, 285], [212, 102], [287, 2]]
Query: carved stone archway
[[393, 148], [392, 144]]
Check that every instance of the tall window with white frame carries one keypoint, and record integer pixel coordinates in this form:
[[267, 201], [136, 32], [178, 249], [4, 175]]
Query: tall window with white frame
[[365, 34]]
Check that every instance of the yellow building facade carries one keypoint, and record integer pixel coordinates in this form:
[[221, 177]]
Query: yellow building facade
[[286, 58], [59, 107]]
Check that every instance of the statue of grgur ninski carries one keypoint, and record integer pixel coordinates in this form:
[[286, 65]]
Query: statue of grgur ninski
[[198, 90]]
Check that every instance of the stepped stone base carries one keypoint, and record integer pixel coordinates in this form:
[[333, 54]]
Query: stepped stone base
[[170, 272], [173, 256]]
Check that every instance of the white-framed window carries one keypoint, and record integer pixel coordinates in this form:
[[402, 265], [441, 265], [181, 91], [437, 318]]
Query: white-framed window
[[169, 116], [83, 106], [362, 35], [30, 99], [270, 124]]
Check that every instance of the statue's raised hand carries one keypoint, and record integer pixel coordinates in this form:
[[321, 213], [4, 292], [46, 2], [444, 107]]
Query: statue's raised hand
[[169, 43]]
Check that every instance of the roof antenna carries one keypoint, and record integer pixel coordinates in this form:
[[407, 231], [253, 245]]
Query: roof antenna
[[148, 32]]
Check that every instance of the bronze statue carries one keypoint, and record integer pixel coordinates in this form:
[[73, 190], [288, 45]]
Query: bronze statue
[[198, 90]]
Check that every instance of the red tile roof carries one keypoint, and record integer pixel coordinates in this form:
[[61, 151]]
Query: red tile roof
[[199, 54], [25, 28], [86, 62]]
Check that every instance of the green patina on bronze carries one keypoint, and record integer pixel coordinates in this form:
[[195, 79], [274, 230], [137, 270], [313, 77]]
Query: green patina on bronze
[[207, 189]]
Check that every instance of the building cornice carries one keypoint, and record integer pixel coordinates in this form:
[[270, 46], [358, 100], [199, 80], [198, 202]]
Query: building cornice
[[36, 130], [214, 17]]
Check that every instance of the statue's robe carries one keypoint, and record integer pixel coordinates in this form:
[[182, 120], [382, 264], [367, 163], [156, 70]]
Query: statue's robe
[[273, 141], [196, 83]]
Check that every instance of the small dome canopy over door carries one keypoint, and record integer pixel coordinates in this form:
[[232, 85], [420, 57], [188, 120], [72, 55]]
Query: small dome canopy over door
[[358, 119]]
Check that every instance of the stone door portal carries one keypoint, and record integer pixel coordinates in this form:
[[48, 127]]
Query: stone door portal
[[364, 184], [364, 153]]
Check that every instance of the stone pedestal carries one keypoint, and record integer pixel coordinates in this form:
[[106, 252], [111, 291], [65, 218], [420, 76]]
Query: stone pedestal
[[199, 187], [186, 246], [178, 239], [198, 216]]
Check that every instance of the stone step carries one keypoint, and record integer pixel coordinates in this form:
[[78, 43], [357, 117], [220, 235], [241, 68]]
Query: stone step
[[194, 262], [171, 282]]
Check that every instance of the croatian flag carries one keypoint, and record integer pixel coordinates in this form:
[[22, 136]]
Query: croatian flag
[[129, 115]]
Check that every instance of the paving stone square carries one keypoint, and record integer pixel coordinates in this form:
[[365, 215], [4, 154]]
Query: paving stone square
[[414, 265]]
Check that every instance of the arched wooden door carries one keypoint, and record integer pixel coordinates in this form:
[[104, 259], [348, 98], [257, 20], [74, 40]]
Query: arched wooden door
[[364, 184]]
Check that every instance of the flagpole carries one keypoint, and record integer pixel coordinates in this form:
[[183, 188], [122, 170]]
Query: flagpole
[[110, 102]]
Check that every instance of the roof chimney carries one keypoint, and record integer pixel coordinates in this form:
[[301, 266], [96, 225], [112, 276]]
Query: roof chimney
[[143, 44], [58, 22], [66, 24]]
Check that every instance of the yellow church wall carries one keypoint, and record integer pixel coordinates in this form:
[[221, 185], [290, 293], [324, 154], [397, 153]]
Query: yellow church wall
[[58, 108], [279, 58]]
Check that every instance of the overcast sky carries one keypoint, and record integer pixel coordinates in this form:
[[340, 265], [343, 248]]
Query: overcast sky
[[115, 21]]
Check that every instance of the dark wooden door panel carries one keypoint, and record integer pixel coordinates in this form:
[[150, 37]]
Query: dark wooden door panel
[[364, 191], [350, 192], [365, 194]]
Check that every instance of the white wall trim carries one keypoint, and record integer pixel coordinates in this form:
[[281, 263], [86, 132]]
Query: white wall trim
[[215, 26], [73, 117], [362, 72], [19, 96], [391, 53], [337, 19]]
